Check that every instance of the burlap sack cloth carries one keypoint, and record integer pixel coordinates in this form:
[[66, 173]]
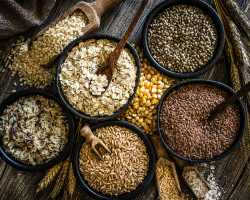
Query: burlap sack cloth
[[19, 15]]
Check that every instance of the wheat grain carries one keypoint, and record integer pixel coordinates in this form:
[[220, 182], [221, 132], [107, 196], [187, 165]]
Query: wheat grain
[[49, 176]]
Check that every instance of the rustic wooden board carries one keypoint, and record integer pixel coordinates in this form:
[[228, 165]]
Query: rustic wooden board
[[233, 171]]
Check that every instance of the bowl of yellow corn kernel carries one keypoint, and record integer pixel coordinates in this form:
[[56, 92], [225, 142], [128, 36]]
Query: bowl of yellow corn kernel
[[143, 110]]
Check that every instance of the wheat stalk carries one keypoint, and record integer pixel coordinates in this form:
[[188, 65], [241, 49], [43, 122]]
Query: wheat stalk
[[72, 181], [61, 178], [48, 177]]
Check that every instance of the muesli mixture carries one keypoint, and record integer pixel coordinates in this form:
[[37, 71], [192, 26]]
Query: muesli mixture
[[34, 129], [78, 78], [120, 171]]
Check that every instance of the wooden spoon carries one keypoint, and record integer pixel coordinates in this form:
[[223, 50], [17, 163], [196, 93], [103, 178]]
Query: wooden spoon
[[163, 160], [109, 65], [185, 167], [93, 140], [93, 12], [242, 92]]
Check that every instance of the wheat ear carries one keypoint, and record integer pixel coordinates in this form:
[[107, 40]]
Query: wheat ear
[[48, 177]]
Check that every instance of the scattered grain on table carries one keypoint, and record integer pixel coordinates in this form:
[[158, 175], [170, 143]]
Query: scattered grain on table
[[28, 63], [143, 110]]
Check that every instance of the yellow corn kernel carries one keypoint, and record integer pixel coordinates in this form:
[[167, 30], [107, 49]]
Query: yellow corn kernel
[[152, 71], [155, 77], [146, 84], [136, 107], [159, 78], [159, 96], [148, 103], [149, 96], [141, 84], [148, 77], [153, 80], [154, 96], [153, 90], [140, 94], [155, 101], [142, 89], [166, 86]]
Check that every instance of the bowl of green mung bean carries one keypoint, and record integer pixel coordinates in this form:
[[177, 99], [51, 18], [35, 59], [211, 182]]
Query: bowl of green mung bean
[[183, 39]]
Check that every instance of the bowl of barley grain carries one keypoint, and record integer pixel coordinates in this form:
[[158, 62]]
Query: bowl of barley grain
[[125, 172], [182, 123], [182, 38], [36, 130]]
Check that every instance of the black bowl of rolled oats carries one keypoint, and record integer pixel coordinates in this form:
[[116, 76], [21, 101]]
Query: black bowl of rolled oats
[[36, 130], [183, 39], [183, 125], [76, 79], [125, 172]]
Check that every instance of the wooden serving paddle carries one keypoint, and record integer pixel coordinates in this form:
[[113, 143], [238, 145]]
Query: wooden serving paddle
[[93, 12], [93, 140], [108, 66], [163, 160], [231, 99]]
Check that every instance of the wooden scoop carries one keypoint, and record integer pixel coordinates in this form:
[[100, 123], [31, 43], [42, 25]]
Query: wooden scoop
[[109, 65], [163, 160], [93, 12], [242, 92], [95, 141], [186, 167]]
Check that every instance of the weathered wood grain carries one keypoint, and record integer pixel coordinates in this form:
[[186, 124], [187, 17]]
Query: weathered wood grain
[[233, 171]]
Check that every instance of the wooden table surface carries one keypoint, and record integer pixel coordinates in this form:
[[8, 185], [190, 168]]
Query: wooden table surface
[[232, 172]]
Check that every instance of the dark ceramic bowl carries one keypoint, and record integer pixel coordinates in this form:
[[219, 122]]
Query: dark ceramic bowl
[[64, 56], [221, 86], [207, 9], [19, 165], [143, 186]]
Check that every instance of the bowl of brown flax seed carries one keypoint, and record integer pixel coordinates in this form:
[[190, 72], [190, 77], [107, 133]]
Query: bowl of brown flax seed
[[182, 123]]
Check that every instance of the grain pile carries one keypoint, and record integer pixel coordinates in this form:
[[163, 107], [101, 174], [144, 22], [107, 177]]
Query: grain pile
[[78, 79], [200, 189], [183, 124], [34, 129], [167, 184], [120, 171], [143, 110], [28, 62], [182, 38]]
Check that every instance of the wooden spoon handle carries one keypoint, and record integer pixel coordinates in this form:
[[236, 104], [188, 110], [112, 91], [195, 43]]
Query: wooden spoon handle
[[87, 133], [243, 91], [101, 6], [116, 53], [159, 147]]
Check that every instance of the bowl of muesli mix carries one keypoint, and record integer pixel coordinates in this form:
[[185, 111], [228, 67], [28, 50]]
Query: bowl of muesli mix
[[79, 87], [36, 130]]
